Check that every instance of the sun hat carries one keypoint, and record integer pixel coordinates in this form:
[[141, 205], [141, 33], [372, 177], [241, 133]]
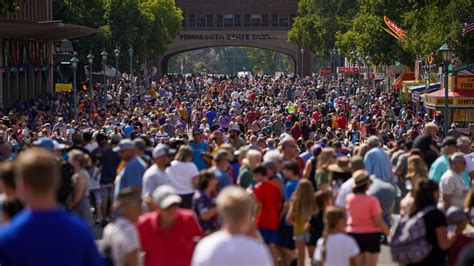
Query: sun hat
[[341, 166], [361, 178]]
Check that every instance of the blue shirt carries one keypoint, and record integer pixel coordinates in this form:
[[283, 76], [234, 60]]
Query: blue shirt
[[197, 158], [131, 175], [290, 187], [47, 238], [210, 116], [127, 130], [440, 166], [377, 162], [223, 178]]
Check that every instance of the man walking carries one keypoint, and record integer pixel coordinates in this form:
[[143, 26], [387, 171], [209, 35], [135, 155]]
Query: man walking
[[42, 234]]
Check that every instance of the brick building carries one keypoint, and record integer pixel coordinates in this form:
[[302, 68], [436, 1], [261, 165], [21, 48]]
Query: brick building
[[252, 23]]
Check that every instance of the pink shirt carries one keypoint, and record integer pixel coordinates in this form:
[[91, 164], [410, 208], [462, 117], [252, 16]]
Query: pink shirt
[[361, 210]]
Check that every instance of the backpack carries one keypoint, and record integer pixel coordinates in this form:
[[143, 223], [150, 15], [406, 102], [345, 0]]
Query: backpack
[[409, 244]]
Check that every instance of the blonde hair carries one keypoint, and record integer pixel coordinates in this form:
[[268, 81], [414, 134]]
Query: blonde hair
[[82, 158], [303, 201], [326, 157], [416, 170], [431, 126], [234, 205], [332, 216], [184, 154]]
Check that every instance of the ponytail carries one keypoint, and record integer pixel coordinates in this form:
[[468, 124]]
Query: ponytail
[[331, 218]]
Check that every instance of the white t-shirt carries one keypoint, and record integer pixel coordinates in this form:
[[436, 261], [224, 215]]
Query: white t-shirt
[[181, 176], [469, 163], [222, 248], [122, 237], [340, 248], [153, 178], [451, 184], [344, 190]]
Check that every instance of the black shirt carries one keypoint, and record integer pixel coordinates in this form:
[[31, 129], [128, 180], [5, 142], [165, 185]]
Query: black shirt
[[437, 256], [423, 143], [316, 227]]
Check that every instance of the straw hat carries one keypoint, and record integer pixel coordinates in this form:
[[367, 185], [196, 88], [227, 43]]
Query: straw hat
[[361, 178], [341, 166]]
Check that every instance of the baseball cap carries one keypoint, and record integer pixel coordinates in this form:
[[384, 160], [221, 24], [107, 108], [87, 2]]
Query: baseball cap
[[455, 214], [59, 146], [234, 127], [165, 196], [124, 145], [197, 131], [44, 142], [127, 196], [140, 143], [161, 149]]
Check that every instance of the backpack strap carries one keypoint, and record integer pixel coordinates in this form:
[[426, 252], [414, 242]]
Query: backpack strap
[[425, 211]]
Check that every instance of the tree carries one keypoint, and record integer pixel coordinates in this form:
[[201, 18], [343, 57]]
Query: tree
[[318, 22], [268, 62], [432, 23], [7, 6]]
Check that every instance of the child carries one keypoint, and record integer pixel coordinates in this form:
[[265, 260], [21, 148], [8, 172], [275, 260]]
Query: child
[[315, 224], [301, 207], [94, 169], [285, 231], [269, 199], [335, 248]]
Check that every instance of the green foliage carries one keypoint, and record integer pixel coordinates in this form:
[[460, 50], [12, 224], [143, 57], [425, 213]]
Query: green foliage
[[146, 25], [357, 25], [268, 62], [7, 6], [319, 21]]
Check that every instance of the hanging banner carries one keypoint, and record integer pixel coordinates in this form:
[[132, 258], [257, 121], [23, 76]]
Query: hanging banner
[[397, 30]]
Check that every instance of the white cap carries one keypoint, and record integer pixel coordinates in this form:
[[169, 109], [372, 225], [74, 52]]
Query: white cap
[[165, 196]]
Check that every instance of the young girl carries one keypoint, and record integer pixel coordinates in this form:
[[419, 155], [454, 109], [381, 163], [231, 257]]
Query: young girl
[[315, 224], [302, 205], [335, 247]]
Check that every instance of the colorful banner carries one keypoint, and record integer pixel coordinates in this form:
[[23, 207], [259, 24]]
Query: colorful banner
[[63, 87], [397, 30]]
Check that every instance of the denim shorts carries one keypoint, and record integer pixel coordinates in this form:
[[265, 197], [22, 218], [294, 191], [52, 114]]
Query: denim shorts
[[269, 236]]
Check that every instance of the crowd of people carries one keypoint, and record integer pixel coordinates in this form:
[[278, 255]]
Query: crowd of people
[[222, 170]]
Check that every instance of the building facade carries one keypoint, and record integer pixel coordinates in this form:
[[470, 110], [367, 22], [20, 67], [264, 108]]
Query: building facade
[[251, 23]]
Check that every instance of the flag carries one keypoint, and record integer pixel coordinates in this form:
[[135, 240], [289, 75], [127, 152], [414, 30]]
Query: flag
[[467, 27], [397, 30]]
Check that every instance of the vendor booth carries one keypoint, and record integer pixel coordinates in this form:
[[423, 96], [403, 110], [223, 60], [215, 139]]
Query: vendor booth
[[460, 97]]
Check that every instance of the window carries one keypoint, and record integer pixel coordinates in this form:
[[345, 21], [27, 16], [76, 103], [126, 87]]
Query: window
[[228, 20], [283, 21], [183, 22], [256, 20], [192, 20], [209, 21], [237, 20], [292, 19], [274, 20], [247, 20], [264, 20], [200, 20], [219, 21]]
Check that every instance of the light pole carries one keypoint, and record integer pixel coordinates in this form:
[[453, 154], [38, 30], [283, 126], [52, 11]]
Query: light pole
[[104, 62], [446, 52], [338, 51], [302, 56], [130, 53], [117, 54], [90, 59], [359, 59], [353, 53], [368, 60], [74, 62]]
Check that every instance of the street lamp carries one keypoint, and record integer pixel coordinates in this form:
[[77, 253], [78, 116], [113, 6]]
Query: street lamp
[[359, 59], [368, 60], [104, 88], [130, 53], [302, 53], [74, 62], [446, 52], [353, 53], [338, 51], [117, 54], [333, 63], [90, 59]]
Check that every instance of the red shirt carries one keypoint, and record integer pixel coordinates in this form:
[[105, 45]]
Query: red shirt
[[172, 247], [341, 122], [460, 242], [296, 132], [316, 115], [268, 195]]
